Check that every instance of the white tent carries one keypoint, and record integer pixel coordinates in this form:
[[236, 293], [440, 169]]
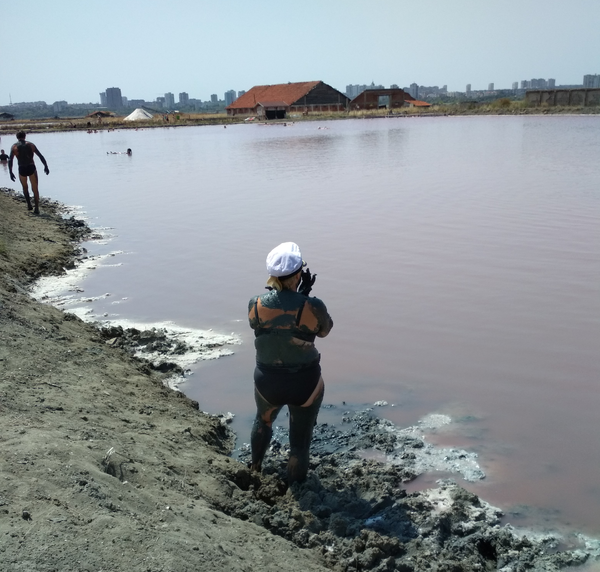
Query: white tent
[[138, 115]]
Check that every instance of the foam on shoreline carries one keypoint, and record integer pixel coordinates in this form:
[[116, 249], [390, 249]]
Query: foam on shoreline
[[65, 292]]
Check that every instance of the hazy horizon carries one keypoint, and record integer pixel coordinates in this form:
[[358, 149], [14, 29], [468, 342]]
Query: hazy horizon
[[54, 51]]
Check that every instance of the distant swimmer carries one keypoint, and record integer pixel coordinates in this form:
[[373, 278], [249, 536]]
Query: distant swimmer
[[24, 152], [128, 152], [3, 156]]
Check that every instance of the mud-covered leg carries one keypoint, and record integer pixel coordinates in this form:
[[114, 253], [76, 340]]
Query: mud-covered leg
[[302, 423], [262, 429], [26, 191], [36, 194]]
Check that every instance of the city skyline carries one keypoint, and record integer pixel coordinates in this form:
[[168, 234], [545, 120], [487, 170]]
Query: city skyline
[[113, 98], [69, 55]]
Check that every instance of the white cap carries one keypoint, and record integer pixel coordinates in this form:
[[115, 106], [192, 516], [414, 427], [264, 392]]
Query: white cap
[[284, 260]]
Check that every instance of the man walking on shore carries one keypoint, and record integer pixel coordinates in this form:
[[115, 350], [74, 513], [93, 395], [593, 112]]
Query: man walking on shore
[[24, 151]]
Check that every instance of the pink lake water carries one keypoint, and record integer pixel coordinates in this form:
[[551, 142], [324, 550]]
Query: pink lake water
[[459, 258]]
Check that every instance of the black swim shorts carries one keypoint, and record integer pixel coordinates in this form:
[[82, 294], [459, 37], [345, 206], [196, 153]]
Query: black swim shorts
[[280, 387], [26, 170]]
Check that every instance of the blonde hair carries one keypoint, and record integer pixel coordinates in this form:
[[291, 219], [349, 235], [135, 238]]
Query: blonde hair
[[275, 283], [279, 284]]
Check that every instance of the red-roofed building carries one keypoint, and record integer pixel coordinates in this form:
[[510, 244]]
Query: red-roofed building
[[274, 101]]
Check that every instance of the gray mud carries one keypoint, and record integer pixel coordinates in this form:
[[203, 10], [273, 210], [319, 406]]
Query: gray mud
[[357, 514]]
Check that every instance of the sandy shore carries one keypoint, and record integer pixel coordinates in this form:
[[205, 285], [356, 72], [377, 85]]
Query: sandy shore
[[104, 468]]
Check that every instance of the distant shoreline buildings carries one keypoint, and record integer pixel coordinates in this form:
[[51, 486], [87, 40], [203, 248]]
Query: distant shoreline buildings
[[422, 92], [113, 99], [591, 81], [435, 92]]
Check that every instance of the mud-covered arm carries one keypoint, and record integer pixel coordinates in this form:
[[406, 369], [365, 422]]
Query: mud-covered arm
[[37, 152], [324, 319], [252, 317], [10, 163]]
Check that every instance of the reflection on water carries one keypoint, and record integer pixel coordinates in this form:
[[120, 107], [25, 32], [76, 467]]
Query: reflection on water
[[459, 258]]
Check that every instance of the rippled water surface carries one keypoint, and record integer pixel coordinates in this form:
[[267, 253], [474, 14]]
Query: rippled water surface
[[459, 258]]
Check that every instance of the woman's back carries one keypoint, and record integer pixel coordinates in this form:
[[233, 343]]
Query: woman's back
[[285, 324]]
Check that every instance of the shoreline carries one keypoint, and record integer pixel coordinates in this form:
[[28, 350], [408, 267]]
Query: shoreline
[[166, 346], [106, 468], [52, 125]]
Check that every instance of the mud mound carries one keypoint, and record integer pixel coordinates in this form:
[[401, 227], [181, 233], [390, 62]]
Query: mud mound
[[356, 514]]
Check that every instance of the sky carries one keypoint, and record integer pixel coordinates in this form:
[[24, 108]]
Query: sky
[[74, 49]]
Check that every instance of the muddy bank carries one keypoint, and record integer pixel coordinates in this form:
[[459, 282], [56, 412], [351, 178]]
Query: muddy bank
[[105, 468], [356, 512], [164, 346]]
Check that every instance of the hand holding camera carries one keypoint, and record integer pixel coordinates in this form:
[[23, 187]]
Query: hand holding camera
[[306, 282]]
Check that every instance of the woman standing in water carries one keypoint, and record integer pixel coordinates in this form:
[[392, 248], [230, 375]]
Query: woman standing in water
[[285, 322]]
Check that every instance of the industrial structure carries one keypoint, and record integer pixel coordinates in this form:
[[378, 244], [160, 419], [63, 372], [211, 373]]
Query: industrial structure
[[384, 99], [568, 97], [275, 101]]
